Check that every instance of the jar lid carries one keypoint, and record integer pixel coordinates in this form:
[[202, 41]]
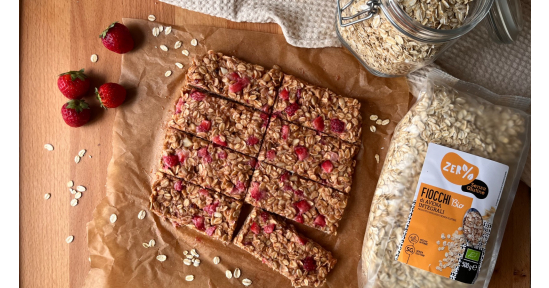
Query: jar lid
[[505, 18]]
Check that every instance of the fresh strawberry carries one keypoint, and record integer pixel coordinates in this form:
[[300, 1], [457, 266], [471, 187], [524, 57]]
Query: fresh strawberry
[[290, 110], [271, 154], [265, 118], [327, 166], [299, 219], [298, 193], [285, 176], [204, 126], [285, 132], [76, 113], [303, 206], [252, 140], [269, 228], [253, 163], [320, 221], [298, 93], [302, 240], [198, 222], [73, 84], [337, 125], [111, 95], [197, 95], [182, 155], [309, 264], [171, 160], [254, 191], [255, 228], [284, 94], [318, 123], [240, 83], [117, 38], [240, 186], [203, 192], [202, 152], [222, 155], [179, 105], [178, 186], [211, 230], [217, 140], [210, 209], [301, 152]]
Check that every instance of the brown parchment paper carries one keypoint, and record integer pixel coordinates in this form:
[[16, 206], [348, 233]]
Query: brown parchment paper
[[118, 258]]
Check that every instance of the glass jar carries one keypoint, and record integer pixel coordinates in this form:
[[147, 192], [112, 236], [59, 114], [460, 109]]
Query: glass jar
[[390, 43]]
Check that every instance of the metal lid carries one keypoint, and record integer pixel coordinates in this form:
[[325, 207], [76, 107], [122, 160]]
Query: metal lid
[[505, 18]]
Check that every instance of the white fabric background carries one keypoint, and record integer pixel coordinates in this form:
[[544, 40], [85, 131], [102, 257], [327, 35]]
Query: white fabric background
[[503, 69]]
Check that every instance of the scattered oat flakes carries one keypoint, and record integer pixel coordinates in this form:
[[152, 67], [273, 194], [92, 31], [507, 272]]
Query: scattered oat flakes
[[47, 196], [151, 17], [90, 156], [179, 65], [93, 58], [189, 256], [69, 239], [185, 252], [196, 262], [77, 159], [185, 52], [80, 188], [168, 73], [113, 218], [160, 28], [194, 42], [146, 245], [229, 274], [152, 243], [82, 153], [187, 262], [141, 214], [385, 122], [70, 184], [216, 260], [49, 147], [246, 282], [193, 252], [377, 158], [177, 45], [163, 47], [373, 128], [155, 32], [78, 195], [168, 30], [378, 121], [74, 202], [236, 273], [161, 258], [189, 277], [72, 191], [373, 117]]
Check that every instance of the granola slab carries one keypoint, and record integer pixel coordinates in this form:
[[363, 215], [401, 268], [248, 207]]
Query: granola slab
[[307, 153], [320, 109], [220, 121], [185, 204], [229, 77], [277, 244], [293, 197], [205, 164]]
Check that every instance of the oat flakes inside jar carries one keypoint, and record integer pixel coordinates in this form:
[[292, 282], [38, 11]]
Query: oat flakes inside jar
[[395, 37]]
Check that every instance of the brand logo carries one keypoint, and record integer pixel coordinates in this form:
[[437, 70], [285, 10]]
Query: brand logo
[[457, 170]]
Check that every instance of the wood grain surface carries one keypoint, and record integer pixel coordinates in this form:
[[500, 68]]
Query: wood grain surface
[[61, 35]]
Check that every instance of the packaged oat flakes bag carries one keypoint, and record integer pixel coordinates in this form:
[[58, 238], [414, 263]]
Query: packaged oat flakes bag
[[444, 194]]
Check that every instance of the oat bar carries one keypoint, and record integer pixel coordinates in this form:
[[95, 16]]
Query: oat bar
[[277, 244], [205, 164], [304, 201], [320, 109], [301, 150], [185, 204], [220, 121], [243, 82]]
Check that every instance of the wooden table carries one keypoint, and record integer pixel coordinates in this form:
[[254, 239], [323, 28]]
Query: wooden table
[[58, 36]]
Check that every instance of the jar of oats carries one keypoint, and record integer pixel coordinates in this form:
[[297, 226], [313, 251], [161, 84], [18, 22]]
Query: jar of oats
[[395, 37]]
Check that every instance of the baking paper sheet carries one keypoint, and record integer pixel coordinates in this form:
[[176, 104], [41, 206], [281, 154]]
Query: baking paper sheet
[[118, 258]]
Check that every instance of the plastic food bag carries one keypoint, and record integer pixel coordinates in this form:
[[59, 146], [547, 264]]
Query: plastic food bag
[[457, 192]]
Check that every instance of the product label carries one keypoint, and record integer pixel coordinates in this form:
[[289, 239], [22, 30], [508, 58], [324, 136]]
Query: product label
[[452, 213]]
